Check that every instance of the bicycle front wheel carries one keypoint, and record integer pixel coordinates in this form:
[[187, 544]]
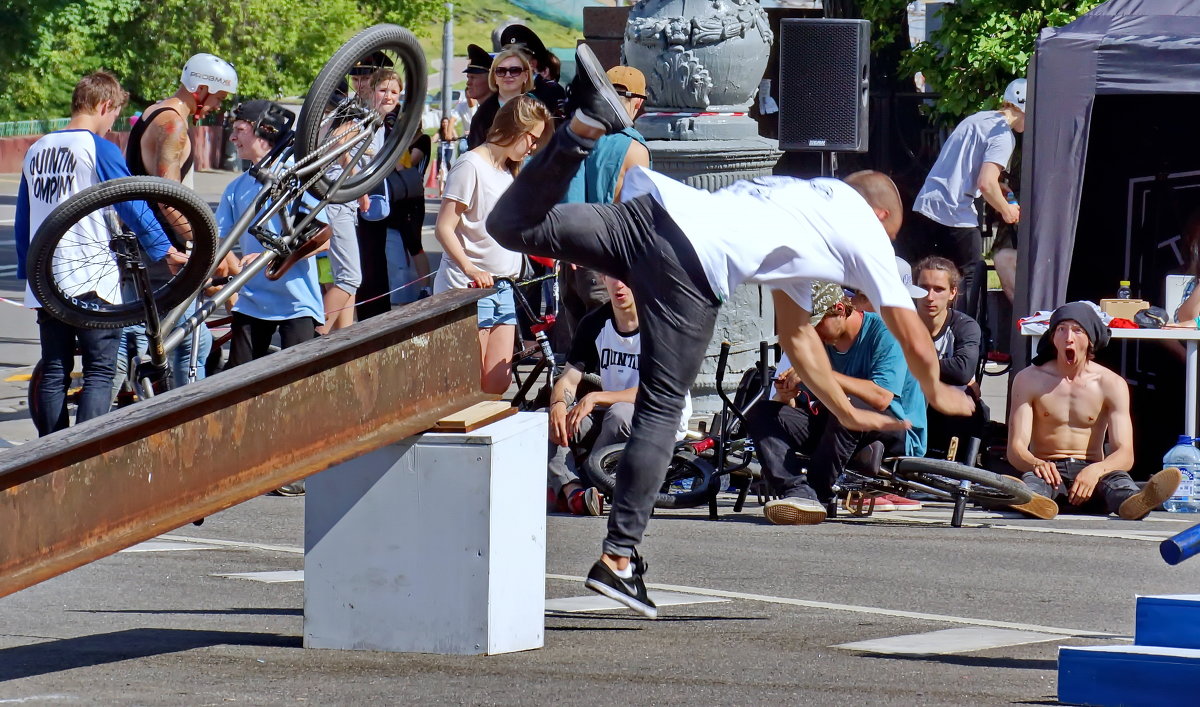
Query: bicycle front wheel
[[333, 115], [78, 257], [687, 483], [946, 476]]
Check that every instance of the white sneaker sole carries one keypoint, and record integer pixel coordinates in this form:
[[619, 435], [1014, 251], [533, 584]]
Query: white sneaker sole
[[787, 514], [649, 612]]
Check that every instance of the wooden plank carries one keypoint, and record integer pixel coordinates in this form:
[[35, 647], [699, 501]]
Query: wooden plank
[[472, 418]]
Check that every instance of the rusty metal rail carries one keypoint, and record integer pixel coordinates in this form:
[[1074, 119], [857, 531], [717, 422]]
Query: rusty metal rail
[[88, 491]]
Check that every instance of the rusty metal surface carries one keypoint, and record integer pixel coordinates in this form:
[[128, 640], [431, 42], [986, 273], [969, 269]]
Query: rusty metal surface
[[109, 483]]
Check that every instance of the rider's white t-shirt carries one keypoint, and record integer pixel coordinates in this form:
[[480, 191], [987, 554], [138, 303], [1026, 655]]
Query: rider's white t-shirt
[[781, 232]]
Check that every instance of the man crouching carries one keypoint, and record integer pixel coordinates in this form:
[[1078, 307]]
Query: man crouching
[[1062, 408]]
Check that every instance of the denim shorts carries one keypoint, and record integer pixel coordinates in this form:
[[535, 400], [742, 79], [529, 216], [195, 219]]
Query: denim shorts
[[498, 308]]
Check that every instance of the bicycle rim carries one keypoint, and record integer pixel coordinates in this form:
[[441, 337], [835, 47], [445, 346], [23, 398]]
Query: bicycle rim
[[333, 114], [76, 274], [947, 476]]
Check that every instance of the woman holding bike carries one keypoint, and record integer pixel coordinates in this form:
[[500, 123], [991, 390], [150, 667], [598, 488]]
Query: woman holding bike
[[472, 258]]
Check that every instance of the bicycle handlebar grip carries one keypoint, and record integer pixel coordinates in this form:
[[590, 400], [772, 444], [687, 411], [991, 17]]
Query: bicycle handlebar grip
[[722, 361], [1181, 546]]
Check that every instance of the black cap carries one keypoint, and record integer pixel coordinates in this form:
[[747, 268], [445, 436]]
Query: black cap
[[367, 65], [520, 34], [1081, 312], [270, 119], [478, 60]]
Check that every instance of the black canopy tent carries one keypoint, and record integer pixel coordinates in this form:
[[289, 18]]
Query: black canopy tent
[[1111, 169], [1123, 47]]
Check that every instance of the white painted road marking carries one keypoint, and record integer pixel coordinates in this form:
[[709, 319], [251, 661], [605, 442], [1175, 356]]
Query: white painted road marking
[[267, 577], [949, 640], [168, 546], [596, 602], [897, 613], [234, 543]]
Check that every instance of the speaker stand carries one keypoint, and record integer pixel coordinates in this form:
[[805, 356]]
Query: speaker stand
[[829, 165]]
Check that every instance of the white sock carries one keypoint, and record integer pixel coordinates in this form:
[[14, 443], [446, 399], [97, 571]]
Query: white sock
[[589, 120], [626, 573]]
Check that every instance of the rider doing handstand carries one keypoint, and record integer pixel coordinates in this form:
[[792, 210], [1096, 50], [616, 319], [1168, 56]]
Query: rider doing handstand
[[682, 252]]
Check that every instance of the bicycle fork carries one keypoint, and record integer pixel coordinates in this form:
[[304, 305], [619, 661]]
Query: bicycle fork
[[151, 366]]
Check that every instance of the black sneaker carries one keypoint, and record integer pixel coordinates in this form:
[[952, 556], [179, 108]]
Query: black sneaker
[[591, 92], [630, 592]]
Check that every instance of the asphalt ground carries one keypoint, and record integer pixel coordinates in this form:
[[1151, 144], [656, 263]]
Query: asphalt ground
[[159, 627], [156, 625]]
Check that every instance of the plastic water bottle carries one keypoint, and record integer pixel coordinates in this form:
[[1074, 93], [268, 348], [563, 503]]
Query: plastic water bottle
[[1123, 291], [1185, 457]]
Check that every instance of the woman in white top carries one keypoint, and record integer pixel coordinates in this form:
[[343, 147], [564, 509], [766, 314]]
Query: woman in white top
[[472, 258]]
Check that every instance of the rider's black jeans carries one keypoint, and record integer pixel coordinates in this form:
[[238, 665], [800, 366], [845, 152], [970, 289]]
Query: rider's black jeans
[[1110, 492], [637, 242], [779, 431]]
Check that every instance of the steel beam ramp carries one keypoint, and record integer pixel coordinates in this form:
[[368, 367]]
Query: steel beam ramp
[[88, 491]]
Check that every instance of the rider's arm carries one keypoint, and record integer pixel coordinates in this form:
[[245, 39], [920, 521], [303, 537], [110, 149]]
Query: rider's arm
[[1020, 422], [612, 397], [807, 354], [21, 225]]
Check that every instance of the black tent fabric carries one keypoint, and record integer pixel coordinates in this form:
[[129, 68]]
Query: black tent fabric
[[1121, 47]]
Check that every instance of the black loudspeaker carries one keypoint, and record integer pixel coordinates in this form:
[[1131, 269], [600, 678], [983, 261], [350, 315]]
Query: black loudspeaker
[[823, 67]]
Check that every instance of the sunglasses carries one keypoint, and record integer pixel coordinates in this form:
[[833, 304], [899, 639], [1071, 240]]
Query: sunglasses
[[509, 70]]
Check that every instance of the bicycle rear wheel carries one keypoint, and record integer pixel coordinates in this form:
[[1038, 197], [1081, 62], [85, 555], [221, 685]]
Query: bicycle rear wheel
[[686, 485], [946, 476], [330, 106], [76, 274]]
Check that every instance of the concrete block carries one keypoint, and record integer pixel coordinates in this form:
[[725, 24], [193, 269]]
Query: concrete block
[[1171, 621], [1130, 676], [433, 545]]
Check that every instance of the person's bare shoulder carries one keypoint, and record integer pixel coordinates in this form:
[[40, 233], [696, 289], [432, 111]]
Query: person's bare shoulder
[[1110, 380]]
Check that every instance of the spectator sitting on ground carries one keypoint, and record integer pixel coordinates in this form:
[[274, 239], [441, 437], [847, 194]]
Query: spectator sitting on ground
[[606, 343], [56, 167], [956, 339], [869, 366], [1063, 408]]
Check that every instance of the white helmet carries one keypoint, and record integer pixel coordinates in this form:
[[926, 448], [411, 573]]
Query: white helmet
[[211, 71], [1015, 94]]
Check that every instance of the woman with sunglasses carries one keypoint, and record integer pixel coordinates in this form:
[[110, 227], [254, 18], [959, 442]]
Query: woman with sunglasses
[[472, 258], [511, 75]]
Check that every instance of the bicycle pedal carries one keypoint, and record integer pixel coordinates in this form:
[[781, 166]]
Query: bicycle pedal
[[855, 502]]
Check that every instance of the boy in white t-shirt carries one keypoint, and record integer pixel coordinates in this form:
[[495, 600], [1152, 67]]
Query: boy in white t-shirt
[[682, 252]]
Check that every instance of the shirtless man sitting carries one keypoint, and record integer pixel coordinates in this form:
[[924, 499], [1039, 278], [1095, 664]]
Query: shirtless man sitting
[[1062, 408]]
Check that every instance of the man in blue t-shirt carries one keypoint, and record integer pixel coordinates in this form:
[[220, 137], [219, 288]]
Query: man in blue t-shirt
[[869, 366], [290, 305]]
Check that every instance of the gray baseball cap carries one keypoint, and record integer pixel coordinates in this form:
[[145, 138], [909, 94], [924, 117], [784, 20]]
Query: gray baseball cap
[[906, 277]]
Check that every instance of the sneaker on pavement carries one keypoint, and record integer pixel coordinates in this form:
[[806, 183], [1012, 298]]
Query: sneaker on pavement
[[1039, 507], [629, 591], [586, 502], [592, 92], [1158, 489], [794, 511], [900, 503]]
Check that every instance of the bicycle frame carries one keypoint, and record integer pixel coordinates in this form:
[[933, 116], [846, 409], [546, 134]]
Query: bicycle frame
[[281, 195]]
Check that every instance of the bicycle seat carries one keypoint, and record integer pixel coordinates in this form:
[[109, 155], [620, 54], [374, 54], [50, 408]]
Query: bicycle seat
[[868, 459]]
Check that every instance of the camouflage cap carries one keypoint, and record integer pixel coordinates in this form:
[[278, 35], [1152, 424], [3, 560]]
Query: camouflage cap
[[824, 296]]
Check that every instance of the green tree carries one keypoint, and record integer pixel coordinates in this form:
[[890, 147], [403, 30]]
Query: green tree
[[278, 48], [980, 47]]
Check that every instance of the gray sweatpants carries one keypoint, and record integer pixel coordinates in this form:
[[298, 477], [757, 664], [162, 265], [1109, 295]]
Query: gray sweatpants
[[344, 259], [604, 426]]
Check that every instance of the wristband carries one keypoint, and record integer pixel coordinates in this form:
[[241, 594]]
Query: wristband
[[556, 402]]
